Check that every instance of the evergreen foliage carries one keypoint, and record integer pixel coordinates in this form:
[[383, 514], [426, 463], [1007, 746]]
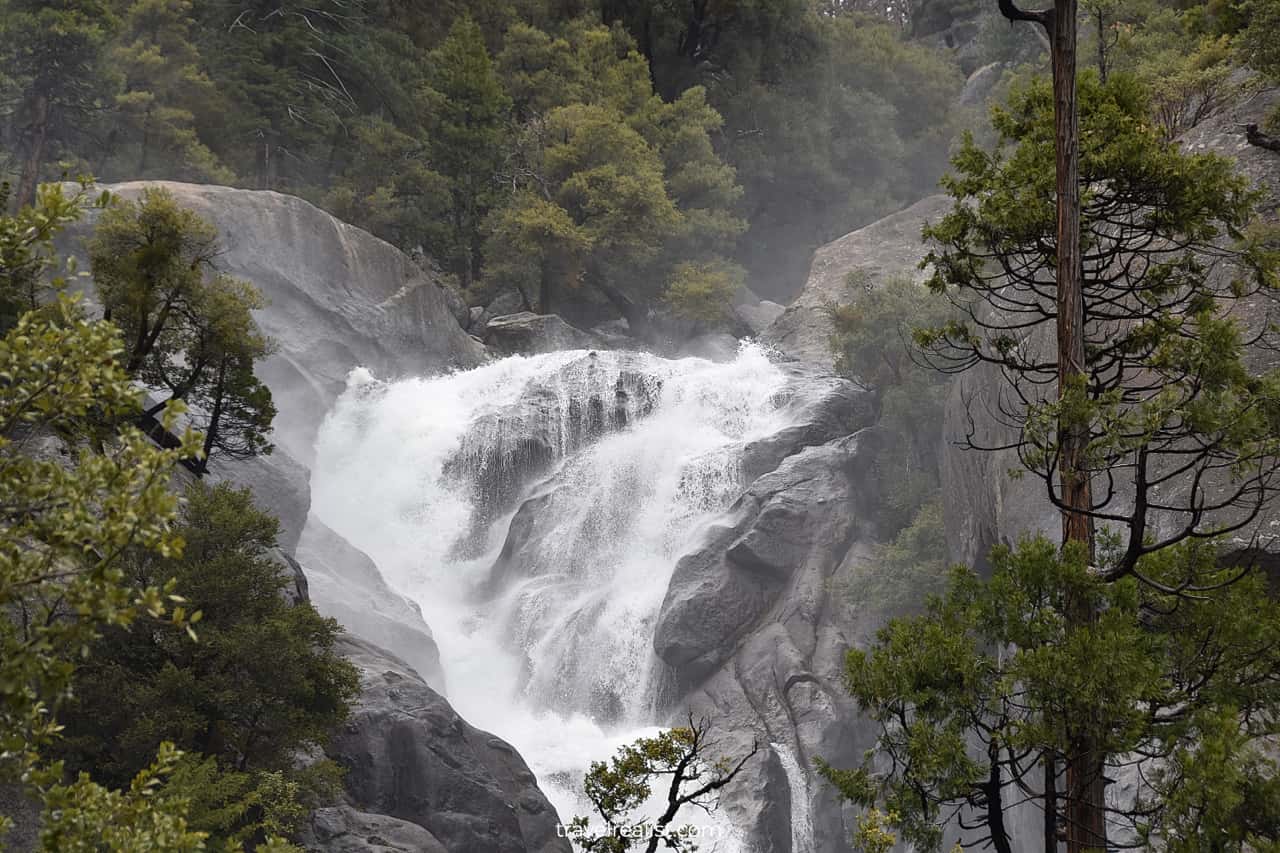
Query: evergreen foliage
[[801, 121], [190, 330], [262, 684], [1170, 680], [973, 695], [66, 522], [684, 763], [1179, 283]]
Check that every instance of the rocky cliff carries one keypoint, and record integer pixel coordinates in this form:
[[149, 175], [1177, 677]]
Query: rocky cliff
[[419, 778], [339, 298], [887, 248]]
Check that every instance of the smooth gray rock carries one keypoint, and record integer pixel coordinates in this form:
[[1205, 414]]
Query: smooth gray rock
[[714, 346], [885, 249], [456, 303], [980, 84], [346, 585], [281, 486], [408, 755], [337, 296], [527, 333], [795, 516], [756, 625], [759, 315], [343, 829], [507, 302]]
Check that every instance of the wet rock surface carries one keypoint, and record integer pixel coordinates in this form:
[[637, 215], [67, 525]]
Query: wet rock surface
[[410, 757]]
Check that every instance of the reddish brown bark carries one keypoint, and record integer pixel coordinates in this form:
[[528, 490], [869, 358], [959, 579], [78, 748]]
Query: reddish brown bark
[[1085, 803]]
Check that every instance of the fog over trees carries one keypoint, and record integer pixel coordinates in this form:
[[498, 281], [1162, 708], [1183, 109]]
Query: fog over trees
[[643, 169]]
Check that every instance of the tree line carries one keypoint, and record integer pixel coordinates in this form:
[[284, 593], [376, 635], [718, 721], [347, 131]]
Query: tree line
[[157, 679], [631, 149]]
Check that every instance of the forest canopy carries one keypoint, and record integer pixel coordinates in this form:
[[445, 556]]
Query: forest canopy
[[745, 134]]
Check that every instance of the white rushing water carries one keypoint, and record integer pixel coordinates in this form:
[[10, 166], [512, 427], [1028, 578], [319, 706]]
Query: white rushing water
[[632, 456]]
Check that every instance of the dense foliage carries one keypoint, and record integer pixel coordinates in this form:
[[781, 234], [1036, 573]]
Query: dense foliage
[[1167, 681], [262, 683], [788, 121], [190, 335], [123, 633], [65, 524], [975, 694]]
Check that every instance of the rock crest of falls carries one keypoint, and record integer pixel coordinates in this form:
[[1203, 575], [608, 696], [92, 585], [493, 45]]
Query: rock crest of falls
[[559, 517]]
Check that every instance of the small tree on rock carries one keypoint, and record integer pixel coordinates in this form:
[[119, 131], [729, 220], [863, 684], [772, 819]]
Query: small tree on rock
[[192, 330], [683, 761]]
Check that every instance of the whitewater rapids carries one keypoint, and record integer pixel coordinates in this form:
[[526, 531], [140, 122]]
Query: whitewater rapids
[[636, 456]]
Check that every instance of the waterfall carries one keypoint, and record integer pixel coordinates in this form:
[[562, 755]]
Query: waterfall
[[535, 508]]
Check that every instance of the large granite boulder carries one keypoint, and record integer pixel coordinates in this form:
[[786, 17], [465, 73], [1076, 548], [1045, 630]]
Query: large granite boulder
[[755, 627], [526, 333], [345, 583], [281, 485], [759, 316], [885, 249], [337, 298], [345, 829], [409, 756]]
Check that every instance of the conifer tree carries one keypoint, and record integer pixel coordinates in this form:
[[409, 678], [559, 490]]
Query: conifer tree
[[191, 331], [164, 86], [467, 140], [1181, 439], [53, 56]]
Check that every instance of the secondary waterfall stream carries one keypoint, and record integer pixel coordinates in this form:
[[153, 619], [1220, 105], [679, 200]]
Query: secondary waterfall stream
[[535, 508]]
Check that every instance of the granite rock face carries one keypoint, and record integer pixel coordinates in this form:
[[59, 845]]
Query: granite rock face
[[337, 296], [526, 333], [885, 249], [344, 829], [345, 583], [281, 485], [755, 628], [409, 757]]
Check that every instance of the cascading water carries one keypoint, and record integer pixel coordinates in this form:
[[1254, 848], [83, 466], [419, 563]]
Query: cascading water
[[535, 508]]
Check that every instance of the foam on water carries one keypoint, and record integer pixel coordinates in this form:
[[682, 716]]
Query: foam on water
[[556, 657]]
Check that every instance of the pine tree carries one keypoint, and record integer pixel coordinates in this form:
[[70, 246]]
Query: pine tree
[[468, 140], [191, 331], [53, 55], [164, 87], [1181, 439]]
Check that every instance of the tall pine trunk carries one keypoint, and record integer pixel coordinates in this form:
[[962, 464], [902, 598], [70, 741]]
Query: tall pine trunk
[[1086, 785], [1084, 797], [33, 162]]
